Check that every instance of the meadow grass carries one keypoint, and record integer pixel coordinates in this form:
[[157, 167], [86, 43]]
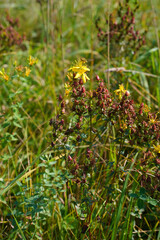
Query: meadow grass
[[40, 195]]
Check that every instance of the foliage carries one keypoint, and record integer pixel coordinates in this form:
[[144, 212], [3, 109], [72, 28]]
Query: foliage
[[93, 172]]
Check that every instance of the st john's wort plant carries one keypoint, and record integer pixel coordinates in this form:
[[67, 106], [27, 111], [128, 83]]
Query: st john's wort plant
[[11, 114], [9, 34], [102, 134], [125, 39]]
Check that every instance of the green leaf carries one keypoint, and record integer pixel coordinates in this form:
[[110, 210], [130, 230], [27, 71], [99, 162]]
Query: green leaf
[[17, 124], [6, 124], [52, 163], [142, 190], [152, 201], [133, 195], [140, 204]]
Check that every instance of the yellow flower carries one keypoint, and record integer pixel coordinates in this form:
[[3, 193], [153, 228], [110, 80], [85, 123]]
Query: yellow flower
[[70, 76], [67, 89], [80, 68], [120, 91], [4, 75], [157, 148], [28, 70], [32, 60], [152, 119], [123, 125]]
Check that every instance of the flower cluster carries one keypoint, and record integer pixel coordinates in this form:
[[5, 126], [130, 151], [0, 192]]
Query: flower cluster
[[122, 30], [26, 70], [9, 35], [88, 118], [20, 70]]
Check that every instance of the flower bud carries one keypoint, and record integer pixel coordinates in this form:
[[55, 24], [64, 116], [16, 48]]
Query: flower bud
[[127, 93], [69, 158], [60, 98], [62, 122], [78, 138], [97, 78], [62, 104], [81, 81], [83, 89], [78, 126], [51, 122]]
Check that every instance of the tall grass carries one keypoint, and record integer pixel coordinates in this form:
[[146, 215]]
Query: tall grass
[[38, 197]]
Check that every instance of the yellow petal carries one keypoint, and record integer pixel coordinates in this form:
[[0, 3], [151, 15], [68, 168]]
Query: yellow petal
[[117, 91], [87, 77], [27, 71], [6, 77], [74, 69], [84, 78], [78, 75], [85, 69]]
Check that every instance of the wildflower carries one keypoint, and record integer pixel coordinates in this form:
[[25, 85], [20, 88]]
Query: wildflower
[[28, 70], [67, 89], [4, 75], [146, 108], [20, 68], [80, 68], [70, 76], [152, 119], [32, 60], [120, 91], [157, 148], [123, 125]]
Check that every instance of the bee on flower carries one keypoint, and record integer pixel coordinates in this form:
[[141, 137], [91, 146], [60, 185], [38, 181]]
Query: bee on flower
[[80, 70]]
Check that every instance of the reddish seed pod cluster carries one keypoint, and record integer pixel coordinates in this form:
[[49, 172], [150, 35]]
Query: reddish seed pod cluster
[[88, 114], [122, 30], [9, 36]]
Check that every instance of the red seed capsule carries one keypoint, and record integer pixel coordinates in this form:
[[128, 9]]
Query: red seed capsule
[[69, 158], [83, 89], [78, 126], [60, 98], [81, 81], [62, 121], [98, 78]]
